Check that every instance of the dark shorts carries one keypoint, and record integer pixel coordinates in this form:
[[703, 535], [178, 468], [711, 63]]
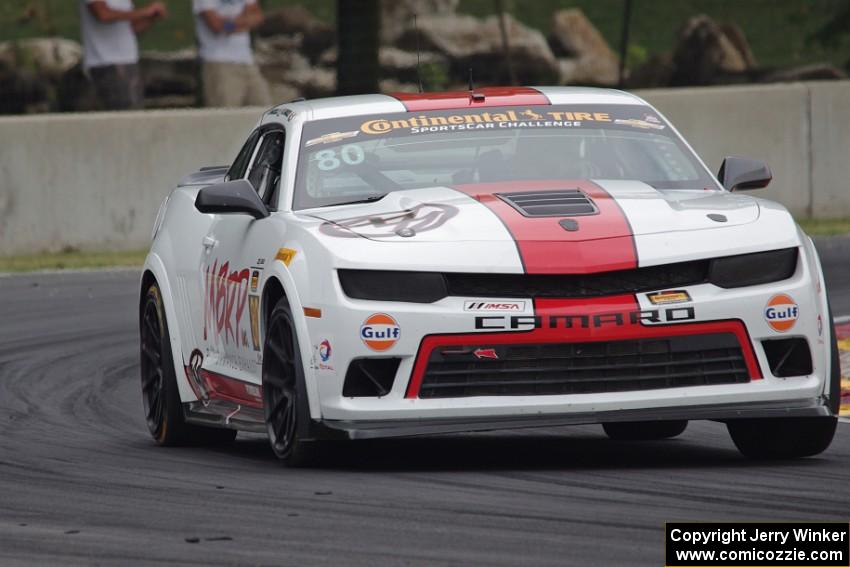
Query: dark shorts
[[119, 87]]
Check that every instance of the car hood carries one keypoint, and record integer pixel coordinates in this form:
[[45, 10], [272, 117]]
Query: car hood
[[489, 212]]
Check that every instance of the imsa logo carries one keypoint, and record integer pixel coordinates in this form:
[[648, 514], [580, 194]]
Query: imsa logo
[[781, 312], [517, 306], [380, 332]]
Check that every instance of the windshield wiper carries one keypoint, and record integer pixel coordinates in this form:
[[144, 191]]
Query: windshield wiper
[[371, 199]]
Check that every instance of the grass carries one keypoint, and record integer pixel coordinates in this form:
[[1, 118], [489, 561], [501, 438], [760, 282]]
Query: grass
[[777, 30], [71, 259], [825, 227]]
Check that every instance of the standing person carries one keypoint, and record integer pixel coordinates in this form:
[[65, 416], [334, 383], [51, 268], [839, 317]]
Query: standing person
[[229, 74], [110, 50]]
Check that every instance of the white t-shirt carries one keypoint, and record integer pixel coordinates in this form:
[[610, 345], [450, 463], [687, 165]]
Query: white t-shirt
[[223, 47], [107, 43]]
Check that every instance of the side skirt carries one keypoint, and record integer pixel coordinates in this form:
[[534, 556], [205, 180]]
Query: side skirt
[[223, 413]]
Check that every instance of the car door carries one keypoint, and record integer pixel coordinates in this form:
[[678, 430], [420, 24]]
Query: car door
[[233, 268]]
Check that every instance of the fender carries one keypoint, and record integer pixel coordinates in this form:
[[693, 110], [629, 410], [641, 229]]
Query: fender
[[155, 265], [813, 258], [280, 272]]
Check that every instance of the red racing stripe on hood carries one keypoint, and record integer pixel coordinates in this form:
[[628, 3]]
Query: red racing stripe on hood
[[603, 242], [493, 96]]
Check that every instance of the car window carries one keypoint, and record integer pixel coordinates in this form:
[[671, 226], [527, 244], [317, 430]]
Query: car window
[[264, 173], [363, 157], [240, 164]]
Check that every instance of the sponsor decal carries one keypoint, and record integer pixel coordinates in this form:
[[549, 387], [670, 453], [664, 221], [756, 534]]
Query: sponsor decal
[[450, 121], [196, 361], [781, 312], [325, 350], [584, 321], [643, 124], [667, 297], [380, 332], [226, 296], [255, 281], [420, 218], [494, 305], [485, 353], [254, 312], [285, 255], [330, 138], [323, 357]]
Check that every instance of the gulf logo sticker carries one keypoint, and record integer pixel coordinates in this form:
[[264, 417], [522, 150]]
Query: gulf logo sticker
[[781, 312], [380, 332]]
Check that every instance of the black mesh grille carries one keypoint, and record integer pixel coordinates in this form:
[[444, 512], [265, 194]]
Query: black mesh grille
[[564, 203], [584, 368], [578, 285]]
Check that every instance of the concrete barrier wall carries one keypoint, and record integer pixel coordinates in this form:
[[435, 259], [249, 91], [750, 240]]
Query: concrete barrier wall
[[94, 181]]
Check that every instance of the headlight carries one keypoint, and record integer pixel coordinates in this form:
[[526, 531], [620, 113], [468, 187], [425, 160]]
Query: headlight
[[386, 285], [753, 269]]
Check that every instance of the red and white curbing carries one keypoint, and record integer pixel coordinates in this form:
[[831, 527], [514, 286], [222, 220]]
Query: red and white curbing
[[842, 332]]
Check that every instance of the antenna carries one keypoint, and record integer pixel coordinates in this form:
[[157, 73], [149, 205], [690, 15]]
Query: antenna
[[474, 96], [418, 60]]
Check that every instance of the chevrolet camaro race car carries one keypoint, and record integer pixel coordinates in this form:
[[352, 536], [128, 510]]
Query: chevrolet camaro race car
[[379, 266]]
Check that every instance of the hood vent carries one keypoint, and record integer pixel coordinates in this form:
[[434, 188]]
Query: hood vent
[[561, 203]]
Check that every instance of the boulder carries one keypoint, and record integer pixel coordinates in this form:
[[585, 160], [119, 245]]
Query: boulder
[[314, 35], [656, 72], [468, 42], [397, 15], [705, 55], [49, 57], [585, 57], [23, 91], [278, 56], [170, 73], [314, 82], [395, 63]]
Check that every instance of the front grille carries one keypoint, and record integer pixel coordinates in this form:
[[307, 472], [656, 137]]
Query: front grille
[[584, 368], [564, 203], [578, 285]]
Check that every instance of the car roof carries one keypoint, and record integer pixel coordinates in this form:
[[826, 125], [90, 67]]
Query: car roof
[[341, 106]]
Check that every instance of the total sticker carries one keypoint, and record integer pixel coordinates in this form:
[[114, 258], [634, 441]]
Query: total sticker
[[380, 332], [781, 312]]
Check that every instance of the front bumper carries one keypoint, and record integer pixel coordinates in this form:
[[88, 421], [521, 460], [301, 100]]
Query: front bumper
[[378, 429], [387, 415]]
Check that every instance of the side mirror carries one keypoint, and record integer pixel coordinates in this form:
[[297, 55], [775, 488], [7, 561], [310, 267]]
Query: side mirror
[[740, 174], [231, 197]]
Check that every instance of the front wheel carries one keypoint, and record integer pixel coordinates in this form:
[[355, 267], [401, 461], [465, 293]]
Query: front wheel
[[644, 430], [782, 438], [284, 401]]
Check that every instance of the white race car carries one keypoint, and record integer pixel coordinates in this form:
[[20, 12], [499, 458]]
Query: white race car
[[379, 266]]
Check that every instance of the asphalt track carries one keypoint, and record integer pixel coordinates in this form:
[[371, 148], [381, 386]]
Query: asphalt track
[[82, 483]]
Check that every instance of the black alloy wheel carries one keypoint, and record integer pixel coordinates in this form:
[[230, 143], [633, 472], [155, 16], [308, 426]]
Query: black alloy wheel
[[284, 401]]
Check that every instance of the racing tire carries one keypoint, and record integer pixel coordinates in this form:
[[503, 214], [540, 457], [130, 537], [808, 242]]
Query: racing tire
[[160, 396], [834, 391], [644, 430], [285, 406], [782, 438]]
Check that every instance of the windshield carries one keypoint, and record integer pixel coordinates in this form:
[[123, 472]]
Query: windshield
[[362, 158]]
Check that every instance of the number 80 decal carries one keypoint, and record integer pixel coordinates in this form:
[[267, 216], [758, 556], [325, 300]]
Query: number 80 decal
[[351, 154]]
